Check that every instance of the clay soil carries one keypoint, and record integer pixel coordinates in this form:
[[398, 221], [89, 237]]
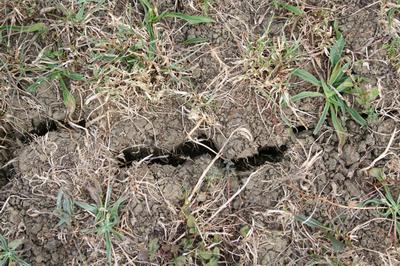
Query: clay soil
[[213, 164]]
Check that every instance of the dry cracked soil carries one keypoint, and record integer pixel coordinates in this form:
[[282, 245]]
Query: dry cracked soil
[[193, 153]]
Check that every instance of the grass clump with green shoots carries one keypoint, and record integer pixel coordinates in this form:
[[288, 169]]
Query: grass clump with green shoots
[[388, 204], [290, 8], [151, 17], [337, 83], [36, 27], [8, 252], [195, 250], [52, 69], [64, 209], [393, 52], [336, 238], [394, 9], [106, 216]]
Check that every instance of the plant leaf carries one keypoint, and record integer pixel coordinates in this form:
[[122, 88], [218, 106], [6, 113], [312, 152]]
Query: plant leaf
[[340, 131], [293, 9], [205, 254], [328, 91], [34, 86], [13, 245], [68, 98], [390, 15], [107, 241], [80, 15], [356, 116], [244, 231], [373, 94], [21, 262], [153, 248], [74, 76], [307, 76], [337, 73], [25, 29], [195, 40], [146, 4], [190, 19], [321, 119], [345, 85], [336, 51], [69, 101], [180, 261], [377, 172], [88, 207], [337, 245], [305, 94], [3, 242], [311, 222]]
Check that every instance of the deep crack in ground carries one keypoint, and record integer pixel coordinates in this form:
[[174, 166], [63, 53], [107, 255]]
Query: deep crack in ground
[[190, 150]]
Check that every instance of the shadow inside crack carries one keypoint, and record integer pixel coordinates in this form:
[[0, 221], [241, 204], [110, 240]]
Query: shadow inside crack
[[265, 154], [45, 126], [178, 156], [190, 150]]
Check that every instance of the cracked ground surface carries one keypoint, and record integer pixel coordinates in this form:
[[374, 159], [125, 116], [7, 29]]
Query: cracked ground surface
[[185, 146]]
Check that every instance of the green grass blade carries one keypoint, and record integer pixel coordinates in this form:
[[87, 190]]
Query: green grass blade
[[356, 116], [337, 73], [347, 84], [116, 205], [190, 19], [336, 29], [145, 4], [153, 247], [390, 15], [305, 94], [336, 51], [338, 102], [25, 29], [293, 9], [88, 207], [397, 227], [311, 222], [21, 262], [195, 40], [107, 240], [68, 98], [330, 94], [389, 197], [339, 129], [375, 202], [74, 76], [35, 85], [59, 199], [149, 19], [80, 15], [307, 76], [337, 245], [3, 242], [321, 119]]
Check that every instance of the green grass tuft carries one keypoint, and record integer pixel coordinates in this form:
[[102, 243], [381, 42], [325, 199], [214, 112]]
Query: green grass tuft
[[106, 219], [151, 17], [8, 252], [337, 83]]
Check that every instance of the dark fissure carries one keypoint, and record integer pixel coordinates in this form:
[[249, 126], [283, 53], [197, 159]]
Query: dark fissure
[[191, 150], [46, 126]]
